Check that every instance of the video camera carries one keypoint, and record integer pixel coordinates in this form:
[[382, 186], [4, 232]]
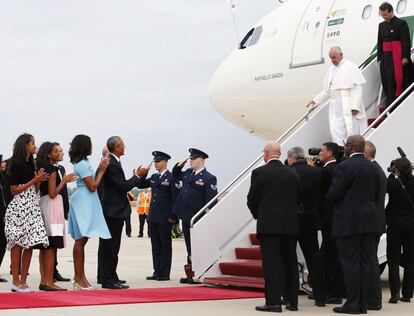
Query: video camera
[[391, 168], [315, 153]]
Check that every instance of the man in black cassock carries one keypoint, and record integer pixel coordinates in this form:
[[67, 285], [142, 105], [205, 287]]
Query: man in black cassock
[[394, 53]]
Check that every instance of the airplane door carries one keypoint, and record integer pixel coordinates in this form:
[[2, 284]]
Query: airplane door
[[308, 41]]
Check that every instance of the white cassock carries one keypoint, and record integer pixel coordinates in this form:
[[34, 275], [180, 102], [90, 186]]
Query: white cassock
[[343, 86]]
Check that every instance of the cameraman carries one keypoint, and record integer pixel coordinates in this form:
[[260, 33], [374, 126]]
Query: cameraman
[[4, 201], [400, 230], [332, 278], [310, 179]]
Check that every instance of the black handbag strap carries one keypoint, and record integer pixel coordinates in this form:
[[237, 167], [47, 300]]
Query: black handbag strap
[[406, 193]]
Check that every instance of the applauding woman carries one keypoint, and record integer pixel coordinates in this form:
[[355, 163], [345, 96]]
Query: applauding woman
[[24, 227], [51, 205], [85, 215]]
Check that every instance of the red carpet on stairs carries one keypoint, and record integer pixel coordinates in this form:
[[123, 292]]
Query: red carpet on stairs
[[131, 296]]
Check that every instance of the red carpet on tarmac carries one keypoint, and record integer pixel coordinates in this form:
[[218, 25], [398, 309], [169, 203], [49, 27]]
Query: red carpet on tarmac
[[130, 296]]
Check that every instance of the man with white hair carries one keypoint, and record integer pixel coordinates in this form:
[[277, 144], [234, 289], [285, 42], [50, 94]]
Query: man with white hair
[[343, 87]]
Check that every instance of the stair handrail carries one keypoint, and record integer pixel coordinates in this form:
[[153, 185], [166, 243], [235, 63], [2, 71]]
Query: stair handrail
[[206, 209]]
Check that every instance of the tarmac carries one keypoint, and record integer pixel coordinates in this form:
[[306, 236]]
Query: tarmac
[[135, 264]]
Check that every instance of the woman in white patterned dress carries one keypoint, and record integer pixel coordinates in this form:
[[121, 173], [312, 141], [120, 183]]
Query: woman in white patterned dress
[[24, 227]]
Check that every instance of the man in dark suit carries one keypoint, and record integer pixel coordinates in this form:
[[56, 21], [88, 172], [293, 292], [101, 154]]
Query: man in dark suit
[[310, 179], [64, 193], [5, 198], [196, 187], [374, 289], [116, 208], [273, 200], [162, 200], [332, 286], [356, 223]]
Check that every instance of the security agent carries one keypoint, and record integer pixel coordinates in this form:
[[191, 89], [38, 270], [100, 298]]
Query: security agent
[[162, 199], [196, 187], [310, 179]]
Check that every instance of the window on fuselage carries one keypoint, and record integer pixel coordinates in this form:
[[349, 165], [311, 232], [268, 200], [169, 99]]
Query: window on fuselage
[[366, 13], [401, 6], [251, 38]]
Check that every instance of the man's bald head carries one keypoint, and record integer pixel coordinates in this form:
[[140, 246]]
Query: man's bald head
[[355, 144], [271, 150], [370, 150], [336, 55]]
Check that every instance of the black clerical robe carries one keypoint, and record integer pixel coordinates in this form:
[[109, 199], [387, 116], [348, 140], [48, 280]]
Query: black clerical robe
[[394, 44]]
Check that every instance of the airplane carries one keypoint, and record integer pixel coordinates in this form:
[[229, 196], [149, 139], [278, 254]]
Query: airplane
[[279, 66]]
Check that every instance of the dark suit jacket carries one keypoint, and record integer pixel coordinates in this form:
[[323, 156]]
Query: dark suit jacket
[[5, 194], [381, 198], [195, 191], [64, 191], [162, 197], [115, 201], [400, 213], [310, 180], [325, 206], [354, 191], [273, 199]]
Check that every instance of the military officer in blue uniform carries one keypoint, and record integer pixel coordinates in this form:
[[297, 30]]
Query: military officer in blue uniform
[[162, 199], [196, 187]]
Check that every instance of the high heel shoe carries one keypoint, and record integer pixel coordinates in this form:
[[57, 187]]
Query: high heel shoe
[[76, 286]]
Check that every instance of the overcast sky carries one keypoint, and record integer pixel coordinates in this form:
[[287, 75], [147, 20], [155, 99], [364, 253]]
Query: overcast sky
[[135, 68]]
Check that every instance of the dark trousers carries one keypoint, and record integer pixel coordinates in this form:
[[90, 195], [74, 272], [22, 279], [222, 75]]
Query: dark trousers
[[186, 232], [332, 284], [128, 228], [142, 218], [279, 254], [108, 251], [308, 241], [374, 291], [161, 243], [3, 241], [400, 237], [357, 255]]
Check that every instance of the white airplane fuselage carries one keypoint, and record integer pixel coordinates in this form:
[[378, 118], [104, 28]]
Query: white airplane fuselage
[[263, 88]]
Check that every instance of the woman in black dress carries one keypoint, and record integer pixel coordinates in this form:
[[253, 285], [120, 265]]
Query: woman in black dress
[[24, 227]]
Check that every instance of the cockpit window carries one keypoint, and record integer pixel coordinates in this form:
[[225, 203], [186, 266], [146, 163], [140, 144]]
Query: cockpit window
[[251, 38]]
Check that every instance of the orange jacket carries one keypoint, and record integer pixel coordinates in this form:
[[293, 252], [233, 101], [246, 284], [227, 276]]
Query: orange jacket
[[143, 203]]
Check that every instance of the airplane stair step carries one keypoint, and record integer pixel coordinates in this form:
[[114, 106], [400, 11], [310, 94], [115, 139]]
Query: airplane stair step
[[248, 253], [234, 281], [254, 240], [248, 268], [372, 119]]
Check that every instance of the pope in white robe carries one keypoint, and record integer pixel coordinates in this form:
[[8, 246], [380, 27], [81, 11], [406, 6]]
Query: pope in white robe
[[343, 87]]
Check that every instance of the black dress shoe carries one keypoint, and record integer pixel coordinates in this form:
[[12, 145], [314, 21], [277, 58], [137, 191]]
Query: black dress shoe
[[140, 236], [59, 278], [374, 307], [184, 280], [394, 299], [405, 299], [333, 300], [344, 310], [129, 235], [121, 281], [152, 277], [269, 308], [3, 280], [47, 288], [319, 304], [163, 278], [115, 286], [292, 308]]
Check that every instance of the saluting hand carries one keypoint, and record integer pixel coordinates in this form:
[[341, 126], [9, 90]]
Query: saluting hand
[[182, 163]]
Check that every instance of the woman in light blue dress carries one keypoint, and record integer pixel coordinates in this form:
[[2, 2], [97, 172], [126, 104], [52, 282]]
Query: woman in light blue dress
[[86, 217]]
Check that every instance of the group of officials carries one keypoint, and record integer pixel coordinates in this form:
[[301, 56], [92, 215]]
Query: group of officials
[[344, 200]]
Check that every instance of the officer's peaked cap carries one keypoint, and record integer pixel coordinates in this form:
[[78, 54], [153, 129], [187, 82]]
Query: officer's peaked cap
[[159, 155], [195, 153]]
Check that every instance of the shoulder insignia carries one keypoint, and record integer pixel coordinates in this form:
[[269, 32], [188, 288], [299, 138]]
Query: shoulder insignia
[[213, 187]]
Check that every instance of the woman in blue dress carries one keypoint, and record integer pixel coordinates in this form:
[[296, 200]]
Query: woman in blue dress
[[86, 217]]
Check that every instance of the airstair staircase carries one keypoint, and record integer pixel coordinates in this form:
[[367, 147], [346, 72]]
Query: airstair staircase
[[224, 249]]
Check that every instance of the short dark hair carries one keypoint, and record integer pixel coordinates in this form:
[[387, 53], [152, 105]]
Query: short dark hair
[[112, 142], [80, 148], [333, 148], [403, 165], [386, 6]]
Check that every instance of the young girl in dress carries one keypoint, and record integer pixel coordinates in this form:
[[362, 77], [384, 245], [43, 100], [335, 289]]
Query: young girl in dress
[[24, 227], [51, 205]]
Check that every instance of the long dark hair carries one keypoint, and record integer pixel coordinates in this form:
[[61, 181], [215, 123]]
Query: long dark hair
[[80, 148], [42, 159], [403, 165], [20, 152]]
